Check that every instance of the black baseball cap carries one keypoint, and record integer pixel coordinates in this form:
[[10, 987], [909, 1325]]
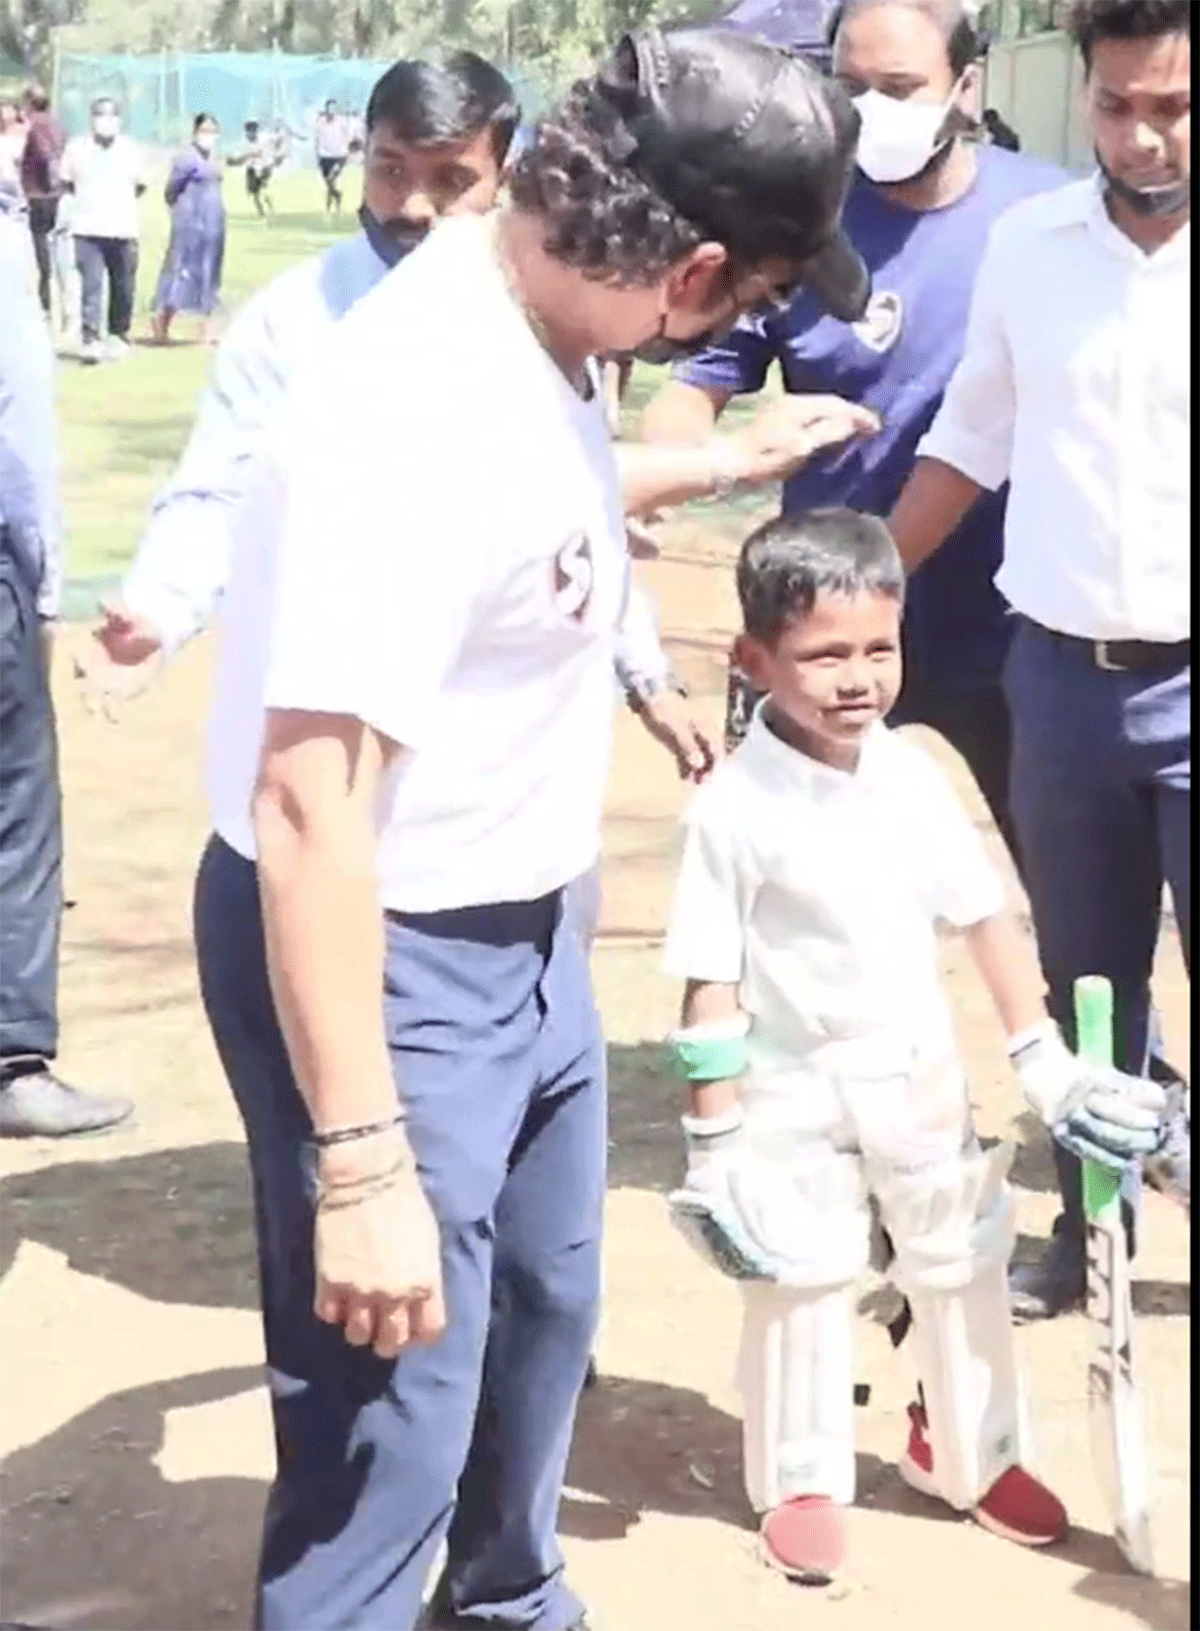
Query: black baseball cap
[[750, 144]]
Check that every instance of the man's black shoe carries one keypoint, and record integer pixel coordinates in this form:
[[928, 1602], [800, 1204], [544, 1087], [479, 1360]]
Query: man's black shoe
[[1055, 1284], [37, 1105]]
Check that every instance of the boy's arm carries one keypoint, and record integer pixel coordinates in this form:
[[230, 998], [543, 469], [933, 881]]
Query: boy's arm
[[1100, 1115], [705, 946], [711, 1013]]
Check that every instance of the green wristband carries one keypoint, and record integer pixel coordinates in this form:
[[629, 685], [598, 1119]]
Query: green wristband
[[710, 1059]]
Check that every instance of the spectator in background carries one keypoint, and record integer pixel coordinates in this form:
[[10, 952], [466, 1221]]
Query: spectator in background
[[33, 1102], [104, 172], [190, 280], [260, 157], [999, 133], [332, 137], [12, 142], [39, 171]]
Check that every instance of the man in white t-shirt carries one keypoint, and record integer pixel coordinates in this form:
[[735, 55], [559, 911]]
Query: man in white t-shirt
[[413, 703], [105, 174]]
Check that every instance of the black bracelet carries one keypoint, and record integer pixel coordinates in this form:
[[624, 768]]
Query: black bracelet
[[351, 1135]]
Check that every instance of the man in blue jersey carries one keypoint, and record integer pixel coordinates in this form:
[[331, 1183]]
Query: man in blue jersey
[[920, 215]]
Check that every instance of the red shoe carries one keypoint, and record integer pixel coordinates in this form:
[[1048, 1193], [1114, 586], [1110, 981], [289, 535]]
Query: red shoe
[[805, 1538], [1017, 1507]]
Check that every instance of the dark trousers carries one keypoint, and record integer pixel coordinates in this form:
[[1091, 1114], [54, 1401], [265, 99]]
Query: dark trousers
[[30, 824], [118, 259], [43, 212], [1101, 798], [498, 1055]]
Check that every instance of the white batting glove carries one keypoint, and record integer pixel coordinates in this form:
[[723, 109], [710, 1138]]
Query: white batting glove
[[1098, 1113]]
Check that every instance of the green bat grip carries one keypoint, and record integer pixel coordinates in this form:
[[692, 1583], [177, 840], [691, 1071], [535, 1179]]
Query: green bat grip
[[1094, 1027]]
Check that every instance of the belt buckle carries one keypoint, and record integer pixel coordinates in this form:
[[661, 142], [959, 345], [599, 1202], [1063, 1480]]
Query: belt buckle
[[1103, 661]]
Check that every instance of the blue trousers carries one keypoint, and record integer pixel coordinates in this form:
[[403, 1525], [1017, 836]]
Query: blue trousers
[[1100, 789], [498, 1055]]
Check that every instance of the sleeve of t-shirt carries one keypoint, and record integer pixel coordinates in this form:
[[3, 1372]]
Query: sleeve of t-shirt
[[706, 930], [382, 554], [963, 887], [738, 365], [973, 430], [66, 169]]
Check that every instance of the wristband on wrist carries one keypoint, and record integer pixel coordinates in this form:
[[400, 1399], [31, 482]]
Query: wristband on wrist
[[698, 1129], [1032, 1040], [714, 1052]]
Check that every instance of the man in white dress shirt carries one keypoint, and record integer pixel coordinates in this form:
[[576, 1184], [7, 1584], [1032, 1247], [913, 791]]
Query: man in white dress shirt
[[413, 703], [1075, 386]]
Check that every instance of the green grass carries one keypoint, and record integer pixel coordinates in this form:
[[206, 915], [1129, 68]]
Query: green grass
[[123, 426]]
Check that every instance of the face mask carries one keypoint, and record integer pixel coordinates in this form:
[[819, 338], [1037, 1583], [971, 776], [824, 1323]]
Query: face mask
[[898, 139], [1153, 203], [105, 126], [204, 142], [391, 240]]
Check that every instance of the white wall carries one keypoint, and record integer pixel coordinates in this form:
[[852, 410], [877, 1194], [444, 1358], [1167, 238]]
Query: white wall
[[1036, 84]]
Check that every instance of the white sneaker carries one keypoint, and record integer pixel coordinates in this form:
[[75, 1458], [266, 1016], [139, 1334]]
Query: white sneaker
[[91, 352], [115, 349]]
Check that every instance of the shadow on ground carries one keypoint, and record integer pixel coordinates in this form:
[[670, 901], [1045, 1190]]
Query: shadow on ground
[[176, 1226], [96, 1539]]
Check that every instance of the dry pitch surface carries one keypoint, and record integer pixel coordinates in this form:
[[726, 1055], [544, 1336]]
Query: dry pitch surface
[[134, 1422]]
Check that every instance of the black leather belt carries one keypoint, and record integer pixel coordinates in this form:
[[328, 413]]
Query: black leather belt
[[1126, 656]]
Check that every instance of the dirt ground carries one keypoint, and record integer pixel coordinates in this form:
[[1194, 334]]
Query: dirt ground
[[133, 1419]]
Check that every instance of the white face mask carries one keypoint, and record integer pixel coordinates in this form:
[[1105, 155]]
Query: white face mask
[[205, 141], [106, 126], [898, 138]]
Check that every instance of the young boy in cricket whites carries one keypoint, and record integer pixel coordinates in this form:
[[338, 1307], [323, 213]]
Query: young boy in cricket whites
[[819, 862]]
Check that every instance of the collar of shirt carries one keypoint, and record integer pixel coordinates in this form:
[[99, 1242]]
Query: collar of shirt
[[800, 773], [1083, 205]]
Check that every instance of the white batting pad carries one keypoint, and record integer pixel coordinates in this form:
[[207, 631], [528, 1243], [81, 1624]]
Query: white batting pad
[[953, 1228], [796, 1373]]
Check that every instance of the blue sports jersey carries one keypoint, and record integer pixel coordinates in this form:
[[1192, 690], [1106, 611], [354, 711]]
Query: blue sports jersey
[[898, 361]]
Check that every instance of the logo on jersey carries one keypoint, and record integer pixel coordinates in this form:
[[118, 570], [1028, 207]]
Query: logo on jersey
[[574, 577], [879, 326]]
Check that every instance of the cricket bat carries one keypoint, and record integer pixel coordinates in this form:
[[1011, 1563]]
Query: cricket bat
[[1114, 1404]]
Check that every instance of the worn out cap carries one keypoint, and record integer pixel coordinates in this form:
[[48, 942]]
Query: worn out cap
[[749, 143]]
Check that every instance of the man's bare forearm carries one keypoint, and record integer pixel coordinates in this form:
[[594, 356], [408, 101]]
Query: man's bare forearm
[[682, 414], [935, 501], [325, 945], [656, 477]]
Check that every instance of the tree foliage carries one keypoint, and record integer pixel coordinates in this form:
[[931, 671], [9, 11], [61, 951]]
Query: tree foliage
[[550, 39]]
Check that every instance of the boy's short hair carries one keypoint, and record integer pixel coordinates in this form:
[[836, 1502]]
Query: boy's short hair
[[788, 562]]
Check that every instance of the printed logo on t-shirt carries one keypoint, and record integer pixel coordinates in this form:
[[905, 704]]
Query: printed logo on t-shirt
[[879, 326], [574, 577]]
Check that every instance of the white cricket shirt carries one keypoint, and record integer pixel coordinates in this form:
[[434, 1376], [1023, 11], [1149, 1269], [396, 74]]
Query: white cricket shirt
[[105, 180], [1075, 384], [818, 892], [444, 559]]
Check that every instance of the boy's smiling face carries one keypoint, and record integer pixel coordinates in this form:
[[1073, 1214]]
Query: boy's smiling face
[[832, 674]]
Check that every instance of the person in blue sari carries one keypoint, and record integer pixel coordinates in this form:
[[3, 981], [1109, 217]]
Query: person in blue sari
[[190, 280]]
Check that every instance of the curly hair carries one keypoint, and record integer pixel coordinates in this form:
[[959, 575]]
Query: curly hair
[[1090, 21], [602, 218]]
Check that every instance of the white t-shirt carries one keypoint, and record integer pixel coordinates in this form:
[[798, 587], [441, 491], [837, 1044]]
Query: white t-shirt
[[444, 559], [106, 181], [819, 892]]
